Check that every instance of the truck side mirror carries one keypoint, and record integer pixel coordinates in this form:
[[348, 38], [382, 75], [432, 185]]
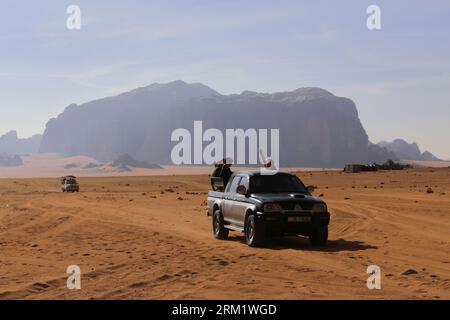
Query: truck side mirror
[[242, 190], [310, 189]]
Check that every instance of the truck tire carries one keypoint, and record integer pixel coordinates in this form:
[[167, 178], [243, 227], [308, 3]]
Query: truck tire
[[254, 231], [319, 236], [220, 232]]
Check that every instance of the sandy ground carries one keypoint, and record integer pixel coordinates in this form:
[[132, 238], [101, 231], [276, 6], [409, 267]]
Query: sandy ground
[[133, 238]]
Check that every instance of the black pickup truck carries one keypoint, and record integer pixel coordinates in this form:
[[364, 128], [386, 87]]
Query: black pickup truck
[[268, 205]]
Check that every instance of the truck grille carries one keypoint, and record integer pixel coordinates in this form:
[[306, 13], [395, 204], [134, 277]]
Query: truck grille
[[290, 206]]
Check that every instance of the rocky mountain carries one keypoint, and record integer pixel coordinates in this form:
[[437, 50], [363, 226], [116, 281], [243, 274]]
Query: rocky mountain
[[407, 151], [428, 156], [316, 127], [11, 144], [125, 160], [10, 161]]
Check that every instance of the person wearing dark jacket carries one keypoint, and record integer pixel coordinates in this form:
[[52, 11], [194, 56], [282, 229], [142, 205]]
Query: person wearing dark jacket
[[222, 170]]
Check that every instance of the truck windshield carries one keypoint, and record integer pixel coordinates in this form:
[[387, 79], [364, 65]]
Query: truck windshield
[[278, 183]]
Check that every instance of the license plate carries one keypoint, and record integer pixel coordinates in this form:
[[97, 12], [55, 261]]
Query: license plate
[[299, 219]]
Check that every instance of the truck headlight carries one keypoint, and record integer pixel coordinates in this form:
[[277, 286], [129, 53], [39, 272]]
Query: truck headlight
[[319, 208], [272, 207]]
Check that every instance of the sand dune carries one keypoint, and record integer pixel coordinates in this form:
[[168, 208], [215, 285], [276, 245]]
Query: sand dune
[[54, 165], [134, 238]]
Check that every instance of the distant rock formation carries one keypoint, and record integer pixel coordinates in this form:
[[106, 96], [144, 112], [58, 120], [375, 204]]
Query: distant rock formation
[[317, 128], [428, 156], [407, 151], [11, 144], [92, 165], [380, 153], [120, 167], [125, 160], [10, 161], [70, 166]]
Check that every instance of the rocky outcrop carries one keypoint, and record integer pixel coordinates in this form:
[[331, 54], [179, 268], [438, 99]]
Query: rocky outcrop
[[316, 127], [407, 151], [10, 161], [11, 144], [428, 156], [126, 160]]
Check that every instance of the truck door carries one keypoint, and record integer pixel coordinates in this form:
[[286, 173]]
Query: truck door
[[240, 204], [229, 195]]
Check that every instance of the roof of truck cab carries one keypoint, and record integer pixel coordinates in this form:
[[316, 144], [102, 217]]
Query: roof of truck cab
[[257, 173]]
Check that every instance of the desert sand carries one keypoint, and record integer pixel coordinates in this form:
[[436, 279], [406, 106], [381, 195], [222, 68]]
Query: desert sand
[[150, 238], [50, 165]]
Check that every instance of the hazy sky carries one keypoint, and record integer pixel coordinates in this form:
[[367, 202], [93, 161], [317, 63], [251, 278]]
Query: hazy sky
[[399, 76]]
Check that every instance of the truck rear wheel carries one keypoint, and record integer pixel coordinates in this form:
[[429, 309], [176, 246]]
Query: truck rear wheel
[[319, 236], [254, 231], [219, 230]]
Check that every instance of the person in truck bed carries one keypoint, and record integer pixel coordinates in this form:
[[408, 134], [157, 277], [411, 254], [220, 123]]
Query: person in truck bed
[[222, 170]]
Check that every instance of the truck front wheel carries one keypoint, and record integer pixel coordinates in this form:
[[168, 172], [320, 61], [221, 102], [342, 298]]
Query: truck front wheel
[[220, 232], [319, 236], [254, 231]]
